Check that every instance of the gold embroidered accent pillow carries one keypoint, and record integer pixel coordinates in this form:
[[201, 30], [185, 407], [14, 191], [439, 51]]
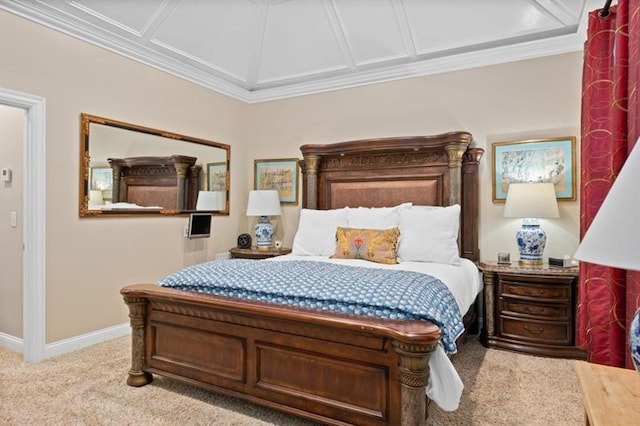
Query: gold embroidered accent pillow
[[375, 245]]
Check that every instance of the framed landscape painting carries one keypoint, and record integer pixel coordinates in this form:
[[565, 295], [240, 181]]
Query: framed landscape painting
[[538, 160], [217, 176], [278, 174], [101, 179]]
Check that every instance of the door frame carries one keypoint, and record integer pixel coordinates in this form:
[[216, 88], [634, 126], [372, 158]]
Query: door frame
[[33, 223]]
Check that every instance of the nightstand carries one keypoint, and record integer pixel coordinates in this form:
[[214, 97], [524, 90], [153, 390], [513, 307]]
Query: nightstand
[[254, 253], [530, 309]]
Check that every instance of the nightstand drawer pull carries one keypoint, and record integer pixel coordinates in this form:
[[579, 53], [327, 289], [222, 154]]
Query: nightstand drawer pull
[[536, 331]]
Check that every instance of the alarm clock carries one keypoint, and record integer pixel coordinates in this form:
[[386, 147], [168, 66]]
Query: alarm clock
[[244, 241]]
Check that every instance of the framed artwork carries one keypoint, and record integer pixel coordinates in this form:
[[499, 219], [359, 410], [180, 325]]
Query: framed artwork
[[101, 179], [217, 176], [539, 160], [281, 175]]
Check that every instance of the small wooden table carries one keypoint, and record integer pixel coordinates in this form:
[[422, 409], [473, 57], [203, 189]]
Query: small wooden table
[[611, 395]]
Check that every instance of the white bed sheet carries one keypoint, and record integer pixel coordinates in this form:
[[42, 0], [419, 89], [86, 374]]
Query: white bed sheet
[[464, 282]]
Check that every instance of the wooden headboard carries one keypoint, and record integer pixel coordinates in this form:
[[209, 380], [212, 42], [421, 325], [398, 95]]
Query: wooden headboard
[[168, 182], [439, 170]]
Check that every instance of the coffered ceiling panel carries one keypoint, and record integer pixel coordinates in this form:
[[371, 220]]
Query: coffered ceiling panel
[[258, 50], [305, 46]]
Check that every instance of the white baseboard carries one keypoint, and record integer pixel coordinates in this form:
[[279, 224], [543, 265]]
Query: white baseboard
[[12, 343], [71, 344]]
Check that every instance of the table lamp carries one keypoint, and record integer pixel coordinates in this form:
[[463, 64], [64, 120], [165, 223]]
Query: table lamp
[[264, 203], [531, 201], [212, 200], [613, 238]]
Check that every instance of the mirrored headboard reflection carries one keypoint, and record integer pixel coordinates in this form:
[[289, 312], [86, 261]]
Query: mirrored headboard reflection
[[131, 170]]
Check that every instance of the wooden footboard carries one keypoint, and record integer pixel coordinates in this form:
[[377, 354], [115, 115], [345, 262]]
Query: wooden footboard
[[332, 368]]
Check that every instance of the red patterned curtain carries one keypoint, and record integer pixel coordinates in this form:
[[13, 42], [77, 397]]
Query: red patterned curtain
[[608, 297]]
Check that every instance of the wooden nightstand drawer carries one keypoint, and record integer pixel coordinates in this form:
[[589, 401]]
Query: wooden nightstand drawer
[[551, 311], [538, 291], [548, 332]]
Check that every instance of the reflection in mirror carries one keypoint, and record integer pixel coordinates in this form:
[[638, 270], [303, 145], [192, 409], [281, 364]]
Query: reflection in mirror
[[127, 169]]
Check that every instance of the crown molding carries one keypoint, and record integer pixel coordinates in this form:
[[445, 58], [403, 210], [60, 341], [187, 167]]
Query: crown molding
[[89, 33]]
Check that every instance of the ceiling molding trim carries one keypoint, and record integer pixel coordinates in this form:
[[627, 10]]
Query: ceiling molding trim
[[87, 32], [555, 10], [111, 42], [257, 43], [339, 32], [185, 55], [158, 19], [99, 17], [405, 29], [495, 56]]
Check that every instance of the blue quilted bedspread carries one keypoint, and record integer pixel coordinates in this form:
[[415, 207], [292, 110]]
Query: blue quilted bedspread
[[380, 293]]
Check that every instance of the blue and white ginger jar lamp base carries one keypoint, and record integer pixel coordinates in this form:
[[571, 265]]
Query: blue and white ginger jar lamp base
[[264, 233], [531, 241]]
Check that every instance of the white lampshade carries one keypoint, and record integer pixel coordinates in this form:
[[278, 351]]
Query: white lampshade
[[95, 197], [212, 200], [535, 200], [264, 203], [613, 238]]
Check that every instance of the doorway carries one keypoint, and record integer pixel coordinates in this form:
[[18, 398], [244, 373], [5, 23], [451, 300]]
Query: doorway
[[12, 125], [33, 221]]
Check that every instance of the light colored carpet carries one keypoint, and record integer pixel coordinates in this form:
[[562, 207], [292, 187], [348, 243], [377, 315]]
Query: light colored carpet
[[88, 387]]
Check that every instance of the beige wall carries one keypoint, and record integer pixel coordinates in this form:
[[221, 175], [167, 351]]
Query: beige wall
[[89, 260], [537, 98], [12, 124]]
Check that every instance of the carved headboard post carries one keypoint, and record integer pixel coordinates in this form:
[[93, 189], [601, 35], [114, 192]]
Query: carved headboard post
[[115, 186], [181, 175], [469, 246], [454, 153], [194, 186], [311, 162]]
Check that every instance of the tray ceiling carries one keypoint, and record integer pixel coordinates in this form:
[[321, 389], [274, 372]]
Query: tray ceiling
[[258, 50]]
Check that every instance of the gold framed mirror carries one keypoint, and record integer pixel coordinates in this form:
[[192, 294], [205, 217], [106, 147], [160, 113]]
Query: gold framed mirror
[[131, 170]]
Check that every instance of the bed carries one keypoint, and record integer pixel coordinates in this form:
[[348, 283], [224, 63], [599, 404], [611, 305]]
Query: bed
[[331, 367]]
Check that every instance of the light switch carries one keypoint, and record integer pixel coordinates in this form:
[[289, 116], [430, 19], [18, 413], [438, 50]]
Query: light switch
[[14, 219], [5, 175]]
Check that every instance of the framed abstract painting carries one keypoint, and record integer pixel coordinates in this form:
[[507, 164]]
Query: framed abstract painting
[[536, 160]]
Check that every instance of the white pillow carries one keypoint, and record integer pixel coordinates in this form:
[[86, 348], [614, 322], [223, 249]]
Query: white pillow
[[375, 217], [430, 235], [316, 235], [426, 208]]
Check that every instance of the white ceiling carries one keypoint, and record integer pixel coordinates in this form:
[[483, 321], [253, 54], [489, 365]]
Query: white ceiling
[[258, 50]]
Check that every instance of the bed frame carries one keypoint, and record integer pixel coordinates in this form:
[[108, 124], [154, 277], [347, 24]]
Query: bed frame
[[328, 367]]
